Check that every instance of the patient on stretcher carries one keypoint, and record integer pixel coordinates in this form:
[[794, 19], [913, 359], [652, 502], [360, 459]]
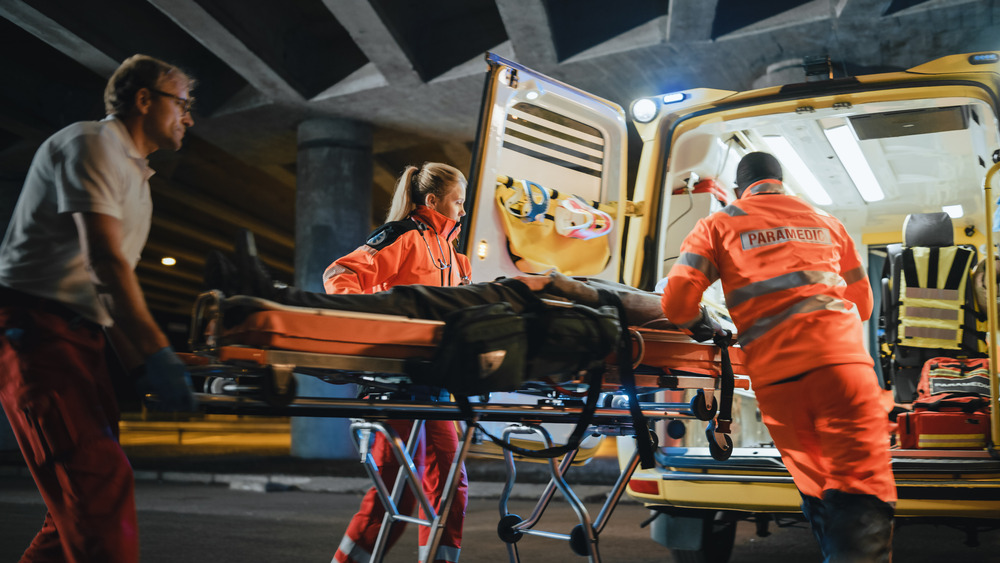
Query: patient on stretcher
[[247, 276]]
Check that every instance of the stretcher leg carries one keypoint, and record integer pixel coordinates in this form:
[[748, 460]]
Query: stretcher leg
[[450, 486], [583, 539], [407, 476]]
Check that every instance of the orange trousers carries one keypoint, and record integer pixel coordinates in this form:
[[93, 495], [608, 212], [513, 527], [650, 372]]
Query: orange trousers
[[832, 431]]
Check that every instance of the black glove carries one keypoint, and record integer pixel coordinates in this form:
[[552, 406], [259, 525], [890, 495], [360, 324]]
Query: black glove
[[705, 327], [167, 382]]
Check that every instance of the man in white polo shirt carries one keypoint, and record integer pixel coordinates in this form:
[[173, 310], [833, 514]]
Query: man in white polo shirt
[[66, 271]]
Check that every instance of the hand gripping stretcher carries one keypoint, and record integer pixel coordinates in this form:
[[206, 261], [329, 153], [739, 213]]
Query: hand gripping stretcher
[[247, 352]]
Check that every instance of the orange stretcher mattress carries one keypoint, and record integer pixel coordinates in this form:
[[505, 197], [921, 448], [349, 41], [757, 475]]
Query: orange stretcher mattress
[[338, 332], [391, 336]]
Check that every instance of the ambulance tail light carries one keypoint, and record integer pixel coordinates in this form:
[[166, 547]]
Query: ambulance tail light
[[644, 486]]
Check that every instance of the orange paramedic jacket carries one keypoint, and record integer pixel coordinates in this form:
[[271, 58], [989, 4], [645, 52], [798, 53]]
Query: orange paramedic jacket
[[794, 283], [416, 250]]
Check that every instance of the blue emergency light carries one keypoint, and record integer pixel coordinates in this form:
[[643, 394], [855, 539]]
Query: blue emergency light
[[674, 97], [983, 58]]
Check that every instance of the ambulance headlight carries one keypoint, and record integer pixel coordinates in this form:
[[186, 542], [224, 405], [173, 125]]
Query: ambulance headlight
[[644, 110]]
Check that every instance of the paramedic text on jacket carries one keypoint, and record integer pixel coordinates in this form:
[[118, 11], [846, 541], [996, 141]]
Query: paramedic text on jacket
[[798, 293]]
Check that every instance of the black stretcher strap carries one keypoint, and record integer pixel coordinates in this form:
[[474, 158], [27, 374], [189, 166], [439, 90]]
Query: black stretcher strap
[[728, 383], [643, 442], [594, 379]]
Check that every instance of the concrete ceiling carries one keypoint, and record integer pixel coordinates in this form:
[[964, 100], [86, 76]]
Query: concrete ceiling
[[414, 70]]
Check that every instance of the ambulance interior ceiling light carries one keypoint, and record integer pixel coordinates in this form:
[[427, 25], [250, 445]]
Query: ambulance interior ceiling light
[[644, 110], [793, 165], [953, 211], [848, 150], [532, 95]]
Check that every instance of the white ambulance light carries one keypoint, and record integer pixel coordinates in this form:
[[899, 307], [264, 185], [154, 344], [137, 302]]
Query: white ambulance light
[[792, 163], [849, 152], [481, 250], [168, 261], [953, 211], [644, 110], [532, 95], [674, 97]]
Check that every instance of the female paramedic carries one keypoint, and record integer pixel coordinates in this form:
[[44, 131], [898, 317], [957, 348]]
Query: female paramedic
[[414, 246]]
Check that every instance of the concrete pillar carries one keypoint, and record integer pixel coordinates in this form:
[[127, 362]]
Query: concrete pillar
[[332, 218]]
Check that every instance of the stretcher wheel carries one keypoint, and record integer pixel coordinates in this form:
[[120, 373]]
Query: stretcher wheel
[[718, 452], [701, 412], [505, 528], [676, 429], [578, 541]]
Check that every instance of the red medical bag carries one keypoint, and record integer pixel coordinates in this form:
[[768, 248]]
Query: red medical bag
[[952, 406]]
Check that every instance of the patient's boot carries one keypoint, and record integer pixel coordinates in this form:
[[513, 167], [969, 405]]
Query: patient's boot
[[254, 278], [221, 274], [858, 528]]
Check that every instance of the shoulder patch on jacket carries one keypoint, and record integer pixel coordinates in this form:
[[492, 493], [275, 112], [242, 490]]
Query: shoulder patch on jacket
[[388, 233]]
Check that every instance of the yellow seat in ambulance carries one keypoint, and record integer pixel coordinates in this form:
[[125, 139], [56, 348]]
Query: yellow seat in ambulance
[[927, 300]]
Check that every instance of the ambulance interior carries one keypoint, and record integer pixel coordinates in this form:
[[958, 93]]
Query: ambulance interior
[[868, 165]]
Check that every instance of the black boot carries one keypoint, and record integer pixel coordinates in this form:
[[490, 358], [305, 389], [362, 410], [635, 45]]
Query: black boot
[[221, 274], [858, 528], [254, 278]]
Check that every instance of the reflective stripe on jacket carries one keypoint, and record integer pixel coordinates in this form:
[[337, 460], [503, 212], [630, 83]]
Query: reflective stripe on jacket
[[794, 283], [416, 250]]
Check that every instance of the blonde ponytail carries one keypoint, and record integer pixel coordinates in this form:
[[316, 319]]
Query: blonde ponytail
[[402, 197], [415, 183]]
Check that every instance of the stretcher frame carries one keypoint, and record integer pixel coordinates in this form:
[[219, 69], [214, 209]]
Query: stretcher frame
[[267, 375]]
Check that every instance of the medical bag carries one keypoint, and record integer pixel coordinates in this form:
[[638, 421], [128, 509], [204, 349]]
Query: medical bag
[[952, 406]]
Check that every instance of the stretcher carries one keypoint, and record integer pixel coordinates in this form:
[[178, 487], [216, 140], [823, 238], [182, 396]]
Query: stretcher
[[247, 352]]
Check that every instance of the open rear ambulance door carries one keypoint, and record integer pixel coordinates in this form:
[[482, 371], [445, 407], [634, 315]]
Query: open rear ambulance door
[[547, 178]]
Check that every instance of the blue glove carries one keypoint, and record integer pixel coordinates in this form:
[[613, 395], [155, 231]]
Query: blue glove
[[166, 385]]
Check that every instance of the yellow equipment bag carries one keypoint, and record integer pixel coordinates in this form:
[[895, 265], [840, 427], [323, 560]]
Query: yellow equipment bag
[[548, 229]]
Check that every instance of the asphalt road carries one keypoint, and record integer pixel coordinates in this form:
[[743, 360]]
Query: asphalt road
[[211, 523]]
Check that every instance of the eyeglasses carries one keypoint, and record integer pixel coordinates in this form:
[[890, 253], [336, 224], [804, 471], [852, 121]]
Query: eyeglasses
[[184, 103]]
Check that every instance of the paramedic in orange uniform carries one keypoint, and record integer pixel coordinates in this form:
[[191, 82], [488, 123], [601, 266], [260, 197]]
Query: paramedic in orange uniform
[[797, 293], [414, 246]]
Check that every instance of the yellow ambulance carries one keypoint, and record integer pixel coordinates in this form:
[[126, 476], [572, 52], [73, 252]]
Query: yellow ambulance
[[551, 190]]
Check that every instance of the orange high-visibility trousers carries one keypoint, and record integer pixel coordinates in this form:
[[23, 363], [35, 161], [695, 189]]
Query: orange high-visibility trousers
[[840, 444]]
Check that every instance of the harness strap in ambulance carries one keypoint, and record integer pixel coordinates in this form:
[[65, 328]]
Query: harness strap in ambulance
[[932, 299]]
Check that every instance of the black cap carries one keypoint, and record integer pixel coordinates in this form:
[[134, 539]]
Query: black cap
[[754, 167]]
